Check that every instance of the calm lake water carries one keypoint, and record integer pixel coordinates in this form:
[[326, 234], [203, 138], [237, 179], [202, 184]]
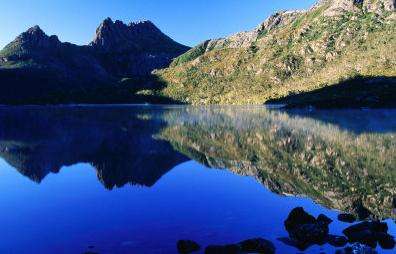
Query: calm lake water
[[136, 179]]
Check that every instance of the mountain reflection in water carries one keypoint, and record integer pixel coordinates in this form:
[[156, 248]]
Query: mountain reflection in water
[[288, 152], [343, 160]]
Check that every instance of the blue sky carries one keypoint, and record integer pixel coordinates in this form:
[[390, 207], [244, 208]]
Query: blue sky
[[186, 21]]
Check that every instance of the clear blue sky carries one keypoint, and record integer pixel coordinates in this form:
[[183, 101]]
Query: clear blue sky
[[186, 21]]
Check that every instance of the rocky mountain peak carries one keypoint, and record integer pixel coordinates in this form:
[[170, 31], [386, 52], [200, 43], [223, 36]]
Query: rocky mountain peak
[[36, 35], [118, 36], [34, 39], [35, 30]]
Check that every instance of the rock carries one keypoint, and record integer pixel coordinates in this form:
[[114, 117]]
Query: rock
[[279, 19], [367, 232], [324, 219], [337, 241], [346, 217], [298, 217], [373, 226], [257, 245], [304, 229], [386, 241], [223, 249], [339, 7], [187, 246]]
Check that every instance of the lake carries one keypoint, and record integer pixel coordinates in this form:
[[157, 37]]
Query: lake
[[136, 179]]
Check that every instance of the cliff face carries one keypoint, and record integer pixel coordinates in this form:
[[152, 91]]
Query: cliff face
[[134, 49], [291, 52]]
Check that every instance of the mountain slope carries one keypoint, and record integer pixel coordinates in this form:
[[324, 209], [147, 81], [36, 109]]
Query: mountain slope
[[37, 68], [291, 52]]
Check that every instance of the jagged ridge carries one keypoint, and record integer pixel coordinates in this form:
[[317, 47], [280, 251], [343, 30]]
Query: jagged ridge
[[37, 67]]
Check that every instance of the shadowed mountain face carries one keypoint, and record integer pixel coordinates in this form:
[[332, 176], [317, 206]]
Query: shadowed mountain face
[[134, 49], [320, 155], [37, 66], [39, 141], [293, 155]]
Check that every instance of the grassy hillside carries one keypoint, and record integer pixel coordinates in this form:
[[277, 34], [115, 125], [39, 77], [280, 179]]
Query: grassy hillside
[[304, 51]]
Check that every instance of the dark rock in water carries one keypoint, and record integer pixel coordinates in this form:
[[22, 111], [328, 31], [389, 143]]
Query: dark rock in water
[[357, 249], [257, 245], [304, 229], [337, 241], [386, 241], [368, 233], [298, 217], [187, 246], [346, 217], [223, 249]]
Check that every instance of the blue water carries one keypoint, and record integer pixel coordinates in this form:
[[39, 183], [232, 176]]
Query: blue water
[[71, 211]]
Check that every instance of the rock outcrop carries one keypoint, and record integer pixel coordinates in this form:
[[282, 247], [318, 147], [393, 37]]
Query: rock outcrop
[[337, 7], [134, 49]]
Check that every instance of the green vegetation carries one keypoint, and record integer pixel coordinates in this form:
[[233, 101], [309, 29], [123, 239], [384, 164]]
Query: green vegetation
[[308, 53]]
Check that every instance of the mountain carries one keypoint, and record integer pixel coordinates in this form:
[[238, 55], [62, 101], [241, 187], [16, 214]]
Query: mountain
[[134, 49], [346, 42], [37, 67]]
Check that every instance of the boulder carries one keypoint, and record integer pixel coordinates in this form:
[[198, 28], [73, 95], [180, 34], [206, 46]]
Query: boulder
[[305, 230], [369, 233]]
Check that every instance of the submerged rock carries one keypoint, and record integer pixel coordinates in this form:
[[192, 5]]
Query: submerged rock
[[337, 241], [386, 241], [223, 249], [346, 217], [187, 246], [357, 249], [257, 245]]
